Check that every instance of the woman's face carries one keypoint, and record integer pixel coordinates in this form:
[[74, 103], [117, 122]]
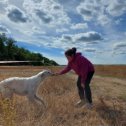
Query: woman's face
[[69, 58]]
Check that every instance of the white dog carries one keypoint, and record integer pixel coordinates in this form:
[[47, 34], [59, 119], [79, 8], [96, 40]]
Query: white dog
[[24, 86]]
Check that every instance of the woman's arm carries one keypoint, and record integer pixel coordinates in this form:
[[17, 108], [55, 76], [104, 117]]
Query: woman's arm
[[65, 70]]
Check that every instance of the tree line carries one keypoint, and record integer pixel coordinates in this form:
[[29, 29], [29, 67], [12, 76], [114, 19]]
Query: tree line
[[9, 51]]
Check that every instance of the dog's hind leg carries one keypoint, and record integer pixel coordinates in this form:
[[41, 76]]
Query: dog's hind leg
[[37, 108], [42, 109]]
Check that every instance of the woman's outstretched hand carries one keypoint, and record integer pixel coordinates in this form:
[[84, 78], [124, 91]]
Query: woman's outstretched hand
[[56, 74]]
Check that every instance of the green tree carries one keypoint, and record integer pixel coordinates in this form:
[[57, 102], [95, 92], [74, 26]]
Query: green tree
[[10, 51], [10, 48], [3, 38], [1, 49]]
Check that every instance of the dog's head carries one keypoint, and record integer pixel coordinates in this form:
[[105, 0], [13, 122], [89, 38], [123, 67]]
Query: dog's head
[[46, 73]]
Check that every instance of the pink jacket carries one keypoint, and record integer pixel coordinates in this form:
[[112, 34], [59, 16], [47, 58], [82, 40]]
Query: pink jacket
[[80, 65]]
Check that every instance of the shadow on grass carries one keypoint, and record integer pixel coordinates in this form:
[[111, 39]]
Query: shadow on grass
[[111, 114]]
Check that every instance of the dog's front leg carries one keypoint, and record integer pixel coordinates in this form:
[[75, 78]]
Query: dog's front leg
[[39, 100]]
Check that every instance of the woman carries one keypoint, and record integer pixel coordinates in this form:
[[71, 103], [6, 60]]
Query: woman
[[85, 70]]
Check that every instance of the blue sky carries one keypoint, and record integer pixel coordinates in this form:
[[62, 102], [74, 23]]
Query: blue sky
[[97, 28]]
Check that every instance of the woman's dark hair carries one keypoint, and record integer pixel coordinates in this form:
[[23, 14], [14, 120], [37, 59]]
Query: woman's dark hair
[[71, 52]]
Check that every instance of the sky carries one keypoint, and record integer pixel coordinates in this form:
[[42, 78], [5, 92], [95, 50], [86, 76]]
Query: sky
[[97, 28]]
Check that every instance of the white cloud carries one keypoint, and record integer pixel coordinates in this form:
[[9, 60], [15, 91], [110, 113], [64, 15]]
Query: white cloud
[[85, 24], [62, 30], [119, 48], [116, 7], [80, 40], [3, 29], [47, 11], [100, 11], [90, 50], [38, 30], [90, 9], [103, 20], [3, 4], [3, 1], [79, 26], [120, 45], [19, 25], [86, 11], [16, 15], [88, 37]]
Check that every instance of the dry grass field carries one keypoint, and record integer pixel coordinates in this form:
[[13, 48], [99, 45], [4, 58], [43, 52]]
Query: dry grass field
[[60, 95]]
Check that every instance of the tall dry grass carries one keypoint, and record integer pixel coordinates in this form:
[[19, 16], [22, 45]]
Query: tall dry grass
[[60, 95], [8, 112]]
